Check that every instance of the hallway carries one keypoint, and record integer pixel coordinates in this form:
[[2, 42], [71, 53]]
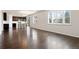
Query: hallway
[[36, 39]]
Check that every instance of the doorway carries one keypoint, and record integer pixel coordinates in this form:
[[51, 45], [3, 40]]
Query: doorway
[[6, 27], [14, 26]]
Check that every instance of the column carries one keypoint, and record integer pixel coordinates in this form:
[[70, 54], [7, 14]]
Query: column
[[10, 22], [1, 23]]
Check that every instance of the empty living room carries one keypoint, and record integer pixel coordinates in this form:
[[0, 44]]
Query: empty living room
[[39, 29]]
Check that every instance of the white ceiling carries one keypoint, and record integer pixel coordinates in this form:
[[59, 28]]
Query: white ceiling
[[20, 12]]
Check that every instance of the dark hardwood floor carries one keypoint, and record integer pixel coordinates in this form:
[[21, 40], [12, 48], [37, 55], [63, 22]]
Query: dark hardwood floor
[[36, 39]]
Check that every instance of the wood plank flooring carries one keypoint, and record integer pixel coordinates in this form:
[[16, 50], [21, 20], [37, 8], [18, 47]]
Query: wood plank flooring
[[30, 38]]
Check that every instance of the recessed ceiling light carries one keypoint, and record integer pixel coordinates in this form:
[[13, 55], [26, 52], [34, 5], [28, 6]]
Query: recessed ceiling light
[[27, 12]]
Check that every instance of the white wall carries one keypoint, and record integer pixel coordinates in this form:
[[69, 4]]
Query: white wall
[[42, 23], [10, 22], [1, 23]]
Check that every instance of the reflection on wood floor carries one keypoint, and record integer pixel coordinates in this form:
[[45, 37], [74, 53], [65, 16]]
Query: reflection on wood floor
[[36, 39]]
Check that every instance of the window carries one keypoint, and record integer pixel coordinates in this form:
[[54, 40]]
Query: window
[[59, 17], [50, 17], [67, 17]]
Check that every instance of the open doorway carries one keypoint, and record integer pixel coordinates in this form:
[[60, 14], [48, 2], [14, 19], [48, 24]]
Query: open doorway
[[6, 27], [14, 26]]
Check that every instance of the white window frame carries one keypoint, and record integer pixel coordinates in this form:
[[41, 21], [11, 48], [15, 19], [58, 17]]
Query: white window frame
[[63, 18]]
